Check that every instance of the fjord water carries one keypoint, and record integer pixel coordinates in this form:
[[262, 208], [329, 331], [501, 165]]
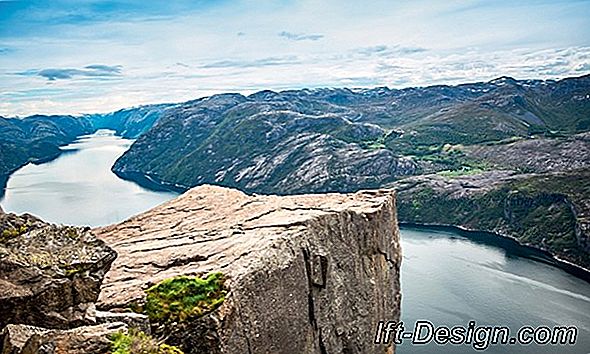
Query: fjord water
[[447, 278], [450, 278], [78, 188]]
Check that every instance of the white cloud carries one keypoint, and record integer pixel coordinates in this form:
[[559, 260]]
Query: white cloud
[[234, 46]]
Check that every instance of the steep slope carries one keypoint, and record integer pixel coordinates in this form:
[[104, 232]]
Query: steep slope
[[548, 211], [233, 141], [130, 122], [36, 139], [343, 140]]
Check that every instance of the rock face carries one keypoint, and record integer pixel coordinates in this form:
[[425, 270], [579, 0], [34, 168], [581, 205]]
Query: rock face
[[306, 274], [81, 340], [14, 337], [50, 275]]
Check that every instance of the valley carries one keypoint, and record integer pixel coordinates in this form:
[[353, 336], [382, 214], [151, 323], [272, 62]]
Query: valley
[[505, 156]]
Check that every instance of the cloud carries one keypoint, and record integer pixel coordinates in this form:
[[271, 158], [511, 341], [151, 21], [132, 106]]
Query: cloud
[[322, 44], [4, 50], [254, 63], [116, 69], [300, 36], [383, 50], [95, 70]]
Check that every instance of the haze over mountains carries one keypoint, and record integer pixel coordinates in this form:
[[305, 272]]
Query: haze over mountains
[[359, 138], [507, 156], [341, 140]]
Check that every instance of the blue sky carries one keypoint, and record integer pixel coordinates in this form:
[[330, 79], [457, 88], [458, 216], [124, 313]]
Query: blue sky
[[84, 56]]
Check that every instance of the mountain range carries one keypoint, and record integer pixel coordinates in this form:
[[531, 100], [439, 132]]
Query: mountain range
[[506, 156]]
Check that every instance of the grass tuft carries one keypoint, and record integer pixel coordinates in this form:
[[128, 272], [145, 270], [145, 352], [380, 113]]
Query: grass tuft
[[137, 342], [180, 298]]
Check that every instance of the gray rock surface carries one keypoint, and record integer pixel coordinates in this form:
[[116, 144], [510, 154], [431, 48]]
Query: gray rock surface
[[81, 340], [306, 273], [537, 155], [131, 319], [50, 275], [14, 337]]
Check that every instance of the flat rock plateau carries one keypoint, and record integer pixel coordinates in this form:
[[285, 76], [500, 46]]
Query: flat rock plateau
[[306, 274], [301, 274]]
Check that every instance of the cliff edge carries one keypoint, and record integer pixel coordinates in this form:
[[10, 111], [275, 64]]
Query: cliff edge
[[301, 274]]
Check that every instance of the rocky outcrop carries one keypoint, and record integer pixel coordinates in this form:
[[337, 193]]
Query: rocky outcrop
[[23, 339], [50, 275], [14, 337], [305, 274]]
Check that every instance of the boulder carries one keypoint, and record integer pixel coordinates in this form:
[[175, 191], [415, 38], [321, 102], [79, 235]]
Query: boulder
[[50, 275], [14, 337], [305, 273], [82, 340]]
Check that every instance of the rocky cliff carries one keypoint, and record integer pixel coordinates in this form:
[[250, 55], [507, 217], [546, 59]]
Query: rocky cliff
[[49, 275], [50, 278], [301, 274]]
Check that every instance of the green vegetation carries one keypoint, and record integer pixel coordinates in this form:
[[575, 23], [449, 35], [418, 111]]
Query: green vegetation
[[376, 144], [71, 269], [180, 298], [469, 168], [10, 233], [137, 342], [463, 171], [536, 210]]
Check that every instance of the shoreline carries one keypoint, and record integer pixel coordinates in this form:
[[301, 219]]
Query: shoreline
[[149, 182], [508, 243]]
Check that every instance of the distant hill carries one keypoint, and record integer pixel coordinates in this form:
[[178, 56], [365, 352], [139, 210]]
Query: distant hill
[[36, 139], [341, 139], [130, 122], [507, 156]]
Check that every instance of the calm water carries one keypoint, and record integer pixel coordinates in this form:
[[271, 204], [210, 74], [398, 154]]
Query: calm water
[[450, 279], [79, 188], [446, 278]]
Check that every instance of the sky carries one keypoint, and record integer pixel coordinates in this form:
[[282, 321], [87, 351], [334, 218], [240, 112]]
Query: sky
[[90, 56]]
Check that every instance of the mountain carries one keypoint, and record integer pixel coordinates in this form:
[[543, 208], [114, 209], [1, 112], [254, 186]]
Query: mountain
[[36, 139], [130, 122], [342, 140], [506, 156]]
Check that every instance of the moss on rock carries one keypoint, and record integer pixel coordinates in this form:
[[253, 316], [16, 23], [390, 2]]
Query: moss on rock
[[137, 342], [180, 298]]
